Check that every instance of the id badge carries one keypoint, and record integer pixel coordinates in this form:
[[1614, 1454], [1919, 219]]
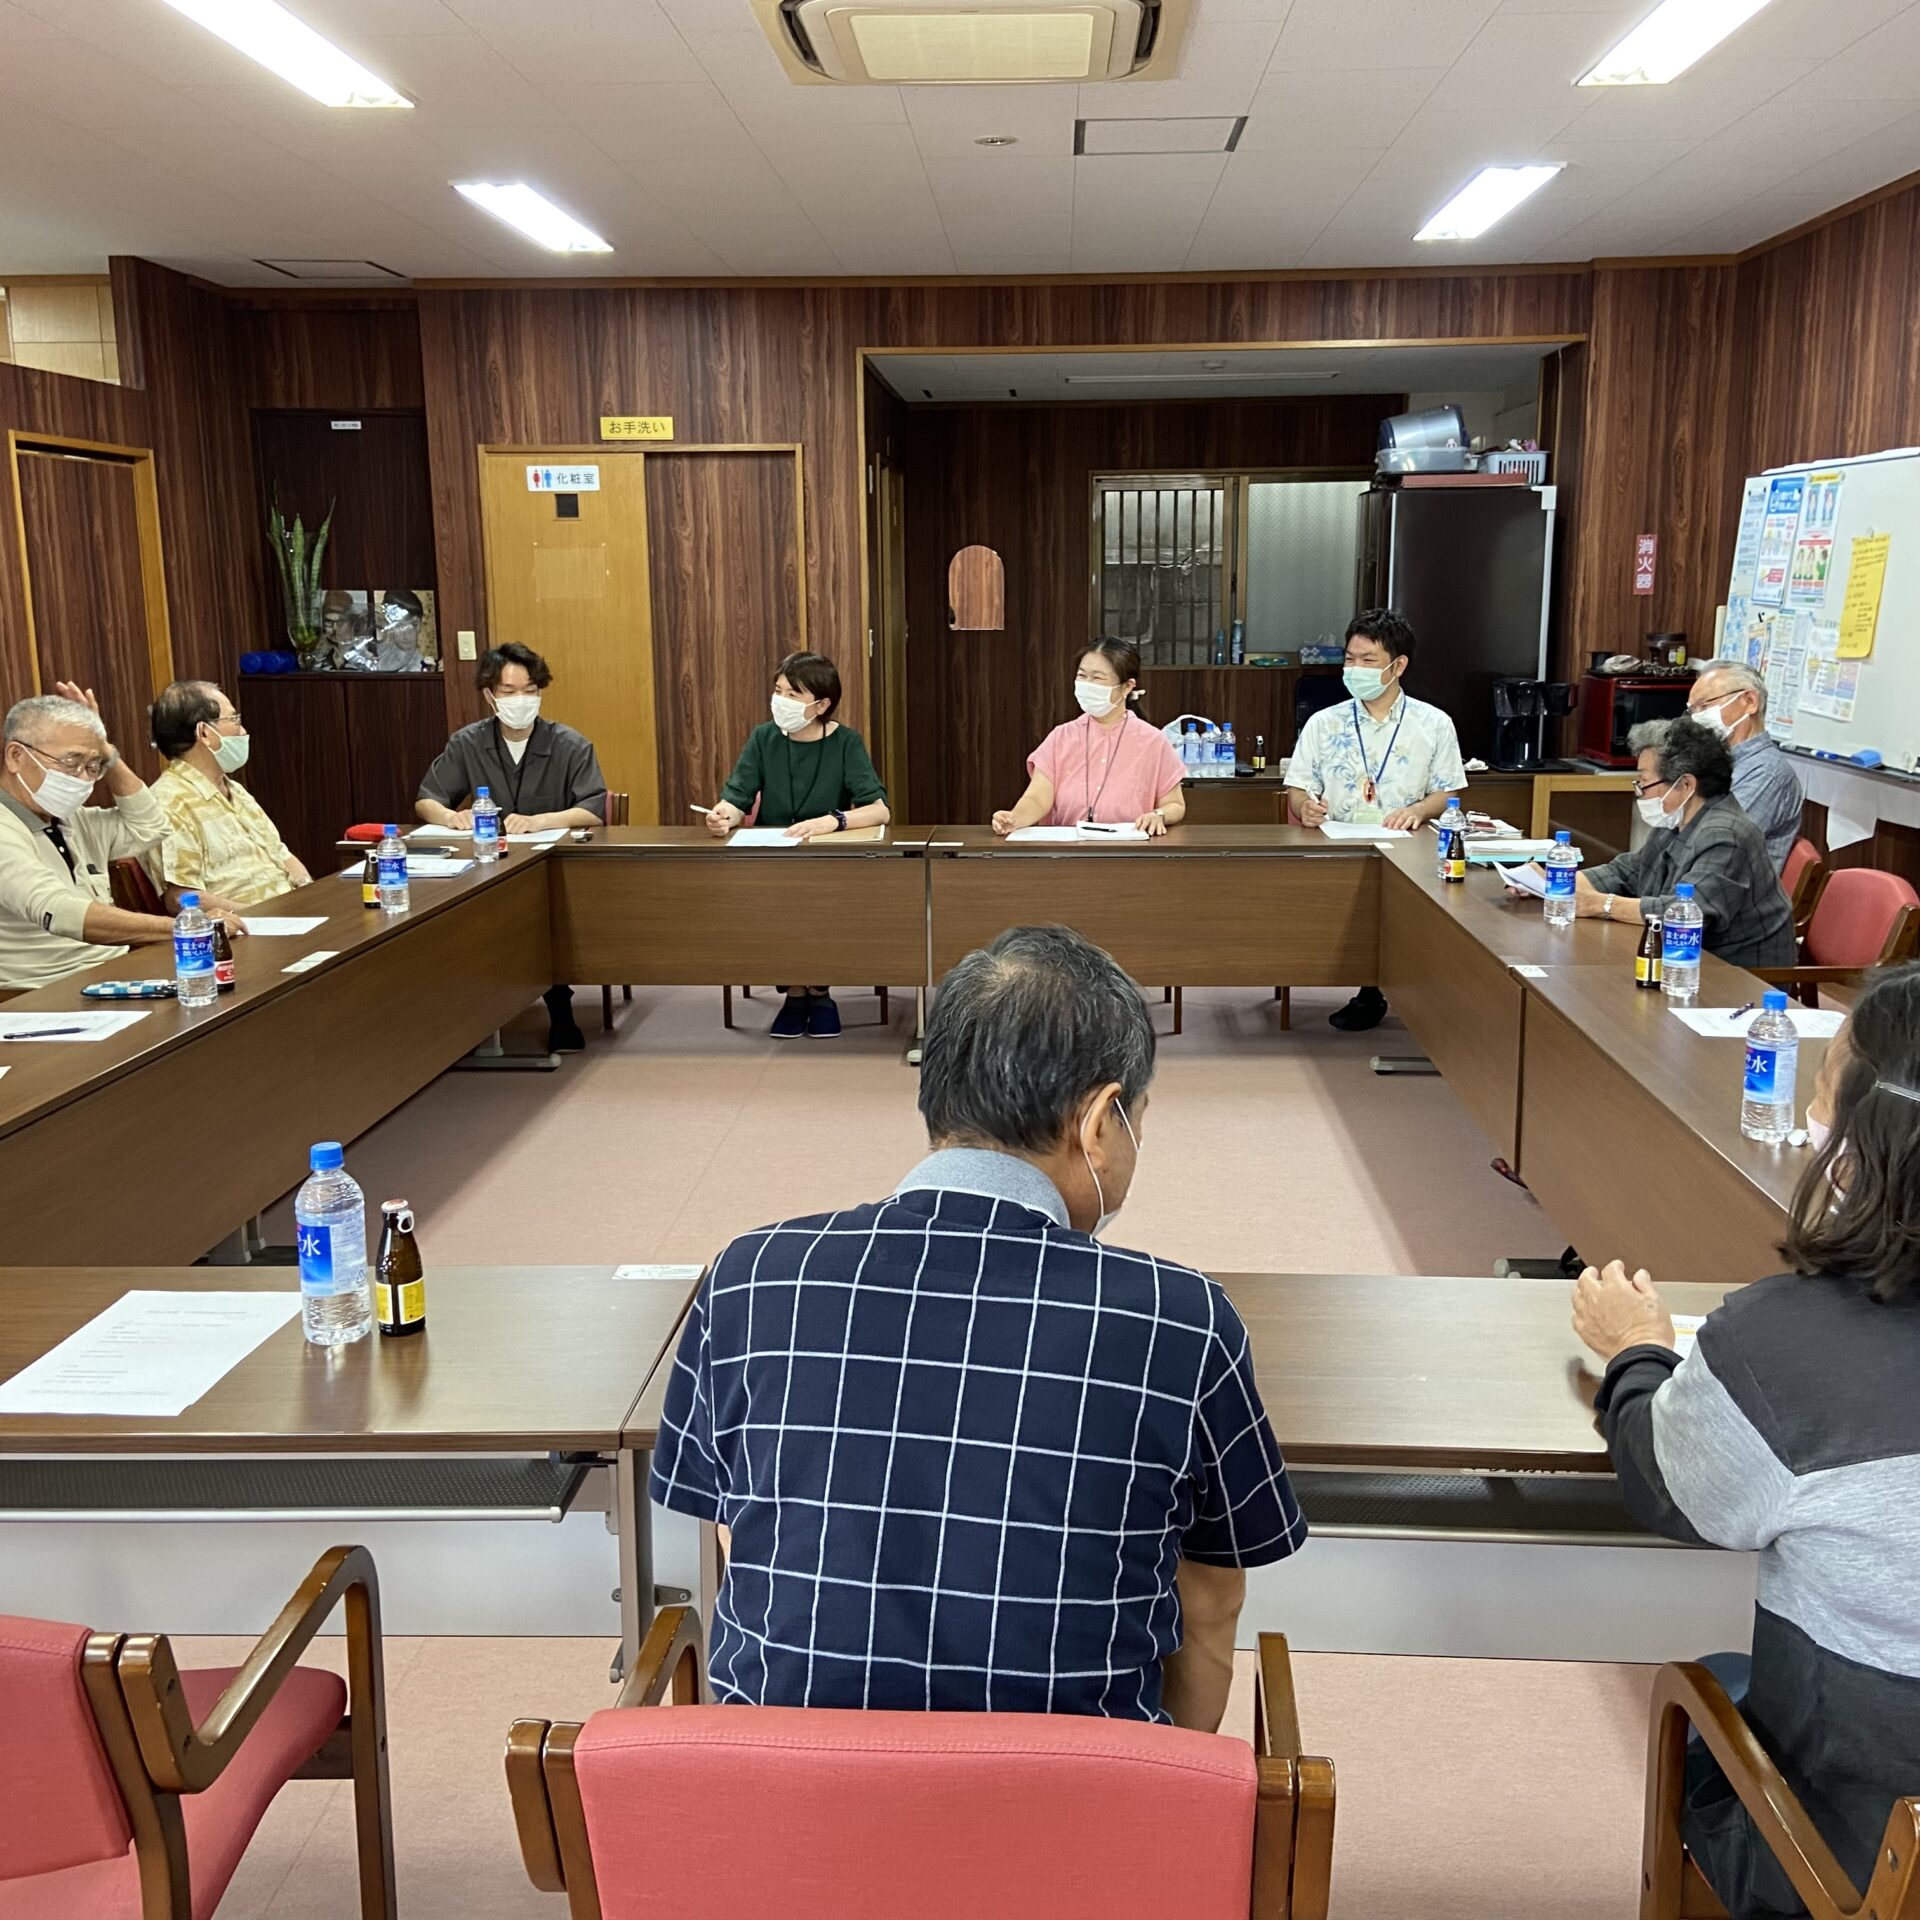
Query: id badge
[[1368, 815]]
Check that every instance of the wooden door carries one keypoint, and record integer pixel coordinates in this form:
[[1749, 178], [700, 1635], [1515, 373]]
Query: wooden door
[[729, 601], [567, 574], [96, 607]]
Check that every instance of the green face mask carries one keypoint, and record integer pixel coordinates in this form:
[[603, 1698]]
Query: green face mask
[[230, 755], [1366, 683]]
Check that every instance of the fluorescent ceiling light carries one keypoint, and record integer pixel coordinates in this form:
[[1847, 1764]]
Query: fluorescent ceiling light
[[1669, 40], [267, 32], [1490, 195], [532, 214], [1242, 378]]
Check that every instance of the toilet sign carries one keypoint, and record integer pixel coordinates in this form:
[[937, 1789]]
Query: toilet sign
[[1646, 547], [563, 479]]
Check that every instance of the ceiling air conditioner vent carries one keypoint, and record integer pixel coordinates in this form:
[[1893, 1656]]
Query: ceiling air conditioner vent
[[970, 42]]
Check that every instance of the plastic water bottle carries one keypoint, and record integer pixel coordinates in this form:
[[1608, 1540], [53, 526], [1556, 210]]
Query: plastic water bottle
[[1683, 930], [1190, 750], [1452, 859], [486, 828], [1229, 752], [330, 1213], [1773, 1062], [1562, 864], [194, 982], [395, 896]]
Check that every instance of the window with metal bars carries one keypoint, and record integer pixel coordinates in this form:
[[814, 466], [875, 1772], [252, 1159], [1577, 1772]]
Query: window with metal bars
[[1164, 568]]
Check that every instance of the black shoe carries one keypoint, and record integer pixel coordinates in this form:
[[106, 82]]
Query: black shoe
[[790, 1023], [823, 1019], [566, 1037], [1362, 1013]]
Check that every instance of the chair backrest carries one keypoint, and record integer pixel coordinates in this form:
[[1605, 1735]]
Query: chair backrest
[[133, 888], [59, 1804], [821, 1814], [617, 808], [1799, 876], [1858, 910]]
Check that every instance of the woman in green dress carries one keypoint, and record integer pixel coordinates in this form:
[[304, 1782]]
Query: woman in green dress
[[811, 776]]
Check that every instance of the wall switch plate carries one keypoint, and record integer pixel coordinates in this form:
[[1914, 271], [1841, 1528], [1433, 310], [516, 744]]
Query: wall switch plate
[[465, 642]]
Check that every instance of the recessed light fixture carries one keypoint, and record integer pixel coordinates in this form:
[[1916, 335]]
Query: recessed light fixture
[[267, 32], [1669, 40], [997, 140], [1489, 196], [533, 214]]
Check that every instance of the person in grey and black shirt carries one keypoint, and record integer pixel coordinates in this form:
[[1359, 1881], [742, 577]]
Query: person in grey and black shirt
[[1792, 1430], [1731, 700], [1701, 834], [539, 774]]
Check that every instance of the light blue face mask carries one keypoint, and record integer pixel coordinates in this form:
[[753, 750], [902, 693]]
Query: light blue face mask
[[1366, 683]]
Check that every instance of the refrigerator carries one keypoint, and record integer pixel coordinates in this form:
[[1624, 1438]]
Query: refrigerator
[[1471, 568]]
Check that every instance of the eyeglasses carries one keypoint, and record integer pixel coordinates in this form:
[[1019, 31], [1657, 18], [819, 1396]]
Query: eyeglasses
[[85, 766], [1642, 789]]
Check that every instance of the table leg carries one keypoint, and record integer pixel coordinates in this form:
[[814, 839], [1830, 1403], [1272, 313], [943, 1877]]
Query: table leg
[[633, 1518]]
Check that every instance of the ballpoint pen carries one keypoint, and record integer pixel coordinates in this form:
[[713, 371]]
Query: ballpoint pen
[[43, 1033], [1738, 1011]]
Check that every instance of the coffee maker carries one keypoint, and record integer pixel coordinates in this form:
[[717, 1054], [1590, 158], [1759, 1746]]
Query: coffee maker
[[1521, 710]]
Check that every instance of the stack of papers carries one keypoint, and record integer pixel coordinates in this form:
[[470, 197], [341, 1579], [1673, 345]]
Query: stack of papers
[[1346, 830], [1497, 852], [761, 837], [1731, 1023], [1526, 879], [58, 1027], [421, 866], [1084, 833]]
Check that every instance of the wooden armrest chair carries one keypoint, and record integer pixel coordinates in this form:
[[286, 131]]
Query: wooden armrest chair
[[1864, 918], [619, 805], [816, 1812], [133, 887], [129, 1790], [1671, 1886], [1804, 878]]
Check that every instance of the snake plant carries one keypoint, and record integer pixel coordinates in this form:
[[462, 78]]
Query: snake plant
[[298, 554]]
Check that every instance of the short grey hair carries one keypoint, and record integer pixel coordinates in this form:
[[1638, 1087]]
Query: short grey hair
[[1681, 747], [31, 720], [1741, 679], [1022, 1033]]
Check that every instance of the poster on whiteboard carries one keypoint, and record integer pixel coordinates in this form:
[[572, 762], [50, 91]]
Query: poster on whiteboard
[[1779, 535], [1746, 546]]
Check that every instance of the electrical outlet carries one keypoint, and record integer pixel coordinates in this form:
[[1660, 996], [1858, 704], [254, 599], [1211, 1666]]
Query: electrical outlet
[[464, 640]]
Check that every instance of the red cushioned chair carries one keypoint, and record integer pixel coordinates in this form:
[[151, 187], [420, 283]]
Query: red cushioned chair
[[129, 1790], [1864, 919], [712, 1813], [133, 888], [1803, 877]]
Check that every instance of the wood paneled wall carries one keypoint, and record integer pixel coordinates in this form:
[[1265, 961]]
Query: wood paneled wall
[[1015, 478], [723, 540]]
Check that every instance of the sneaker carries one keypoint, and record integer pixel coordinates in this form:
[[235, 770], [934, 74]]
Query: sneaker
[[823, 1020], [1362, 1013], [566, 1037], [791, 1021]]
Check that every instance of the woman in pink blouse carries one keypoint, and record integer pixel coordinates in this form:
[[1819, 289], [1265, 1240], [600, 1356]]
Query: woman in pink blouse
[[1109, 765]]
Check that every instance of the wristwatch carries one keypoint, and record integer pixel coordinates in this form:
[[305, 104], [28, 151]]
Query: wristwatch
[[839, 821], [1607, 908]]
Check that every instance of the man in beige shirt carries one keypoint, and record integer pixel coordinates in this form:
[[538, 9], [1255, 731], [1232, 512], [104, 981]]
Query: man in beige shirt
[[56, 897], [220, 843]]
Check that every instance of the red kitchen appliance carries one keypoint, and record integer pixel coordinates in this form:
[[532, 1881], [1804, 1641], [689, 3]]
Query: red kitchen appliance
[[1612, 705]]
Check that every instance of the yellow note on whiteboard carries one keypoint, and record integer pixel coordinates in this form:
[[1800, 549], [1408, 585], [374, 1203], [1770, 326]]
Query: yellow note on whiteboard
[[1866, 580]]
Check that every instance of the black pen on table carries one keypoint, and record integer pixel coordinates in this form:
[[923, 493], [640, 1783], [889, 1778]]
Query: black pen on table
[[43, 1033], [1738, 1011]]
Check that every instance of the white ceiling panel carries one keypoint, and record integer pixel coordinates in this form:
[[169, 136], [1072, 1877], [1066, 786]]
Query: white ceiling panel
[[671, 126]]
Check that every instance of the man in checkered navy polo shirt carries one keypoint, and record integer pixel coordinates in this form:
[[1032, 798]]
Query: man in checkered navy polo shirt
[[970, 1456]]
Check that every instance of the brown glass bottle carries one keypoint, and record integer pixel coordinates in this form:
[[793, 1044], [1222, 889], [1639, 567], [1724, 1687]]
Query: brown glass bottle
[[399, 1283], [223, 975], [370, 881], [1646, 963]]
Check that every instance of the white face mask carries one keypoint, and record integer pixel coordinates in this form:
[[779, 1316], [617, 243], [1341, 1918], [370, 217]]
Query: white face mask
[[1818, 1131], [1714, 719], [1108, 1215], [60, 795], [230, 751], [517, 710], [789, 714], [1095, 696], [1653, 811]]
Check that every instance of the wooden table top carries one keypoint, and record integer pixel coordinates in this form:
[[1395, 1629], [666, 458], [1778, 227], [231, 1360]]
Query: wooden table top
[[43, 1075], [1422, 1374], [513, 1359], [695, 839], [1201, 837]]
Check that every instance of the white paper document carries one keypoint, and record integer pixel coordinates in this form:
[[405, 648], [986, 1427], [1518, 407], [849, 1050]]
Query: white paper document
[[1731, 1023], [643, 1271], [1527, 879], [1078, 835], [431, 832], [1043, 836], [1686, 1330], [149, 1354], [420, 866], [465, 836], [58, 1027], [761, 837], [1347, 830], [308, 961], [1491, 853], [288, 929], [551, 836]]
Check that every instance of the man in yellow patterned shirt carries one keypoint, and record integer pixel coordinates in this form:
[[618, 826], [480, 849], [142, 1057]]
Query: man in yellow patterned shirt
[[219, 841]]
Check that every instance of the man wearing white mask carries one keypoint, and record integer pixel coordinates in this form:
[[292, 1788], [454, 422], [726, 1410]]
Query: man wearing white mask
[[220, 843], [57, 915], [1381, 758], [1731, 700], [1702, 835], [541, 775], [970, 1457]]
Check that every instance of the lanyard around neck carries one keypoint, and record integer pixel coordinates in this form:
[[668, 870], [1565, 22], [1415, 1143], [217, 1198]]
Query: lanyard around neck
[[1086, 786], [1386, 759]]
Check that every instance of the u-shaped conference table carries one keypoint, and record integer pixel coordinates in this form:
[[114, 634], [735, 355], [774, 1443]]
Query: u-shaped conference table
[[146, 1150]]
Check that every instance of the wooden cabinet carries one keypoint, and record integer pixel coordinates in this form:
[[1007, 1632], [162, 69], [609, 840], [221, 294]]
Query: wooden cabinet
[[333, 749]]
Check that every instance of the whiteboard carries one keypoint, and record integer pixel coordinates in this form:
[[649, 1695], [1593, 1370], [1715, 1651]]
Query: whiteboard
[[1806, 533]]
